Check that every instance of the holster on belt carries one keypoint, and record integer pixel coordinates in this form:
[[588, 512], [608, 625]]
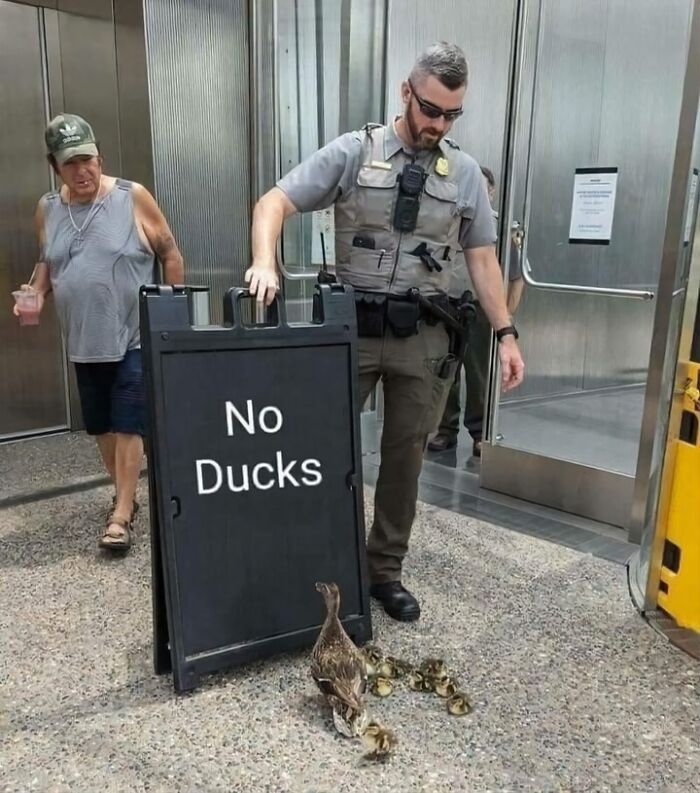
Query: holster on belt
[[464, 312], [456, 315]]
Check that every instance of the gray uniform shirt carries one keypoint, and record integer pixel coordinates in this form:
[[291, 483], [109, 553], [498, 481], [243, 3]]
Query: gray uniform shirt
[[322, 178]]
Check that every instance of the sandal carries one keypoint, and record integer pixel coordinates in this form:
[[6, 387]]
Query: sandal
[[116, 541], [134, 508]]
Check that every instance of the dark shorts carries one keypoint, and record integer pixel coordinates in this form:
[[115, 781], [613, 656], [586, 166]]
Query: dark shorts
[[112, 396]]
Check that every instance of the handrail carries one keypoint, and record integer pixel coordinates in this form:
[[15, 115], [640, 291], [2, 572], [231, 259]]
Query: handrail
[[308, 276], [579, 289]]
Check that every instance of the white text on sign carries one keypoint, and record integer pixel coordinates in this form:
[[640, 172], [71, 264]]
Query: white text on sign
[[212, 476]]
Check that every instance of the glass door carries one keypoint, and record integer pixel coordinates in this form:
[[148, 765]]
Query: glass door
[[595, 108]]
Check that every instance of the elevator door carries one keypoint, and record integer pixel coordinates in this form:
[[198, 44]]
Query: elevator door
[[32, 375], [597, 100]]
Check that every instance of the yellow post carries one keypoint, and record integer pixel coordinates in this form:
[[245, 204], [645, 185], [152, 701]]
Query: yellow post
[[679, 590]]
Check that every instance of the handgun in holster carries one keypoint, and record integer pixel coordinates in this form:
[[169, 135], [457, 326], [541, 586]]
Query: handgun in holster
[[456, 316], [465, 312]]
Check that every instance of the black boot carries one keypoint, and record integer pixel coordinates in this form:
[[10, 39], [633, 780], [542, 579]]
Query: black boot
[[442, 442], [398, 602]]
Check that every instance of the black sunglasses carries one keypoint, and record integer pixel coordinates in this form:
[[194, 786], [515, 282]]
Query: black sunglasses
[[433, 111]]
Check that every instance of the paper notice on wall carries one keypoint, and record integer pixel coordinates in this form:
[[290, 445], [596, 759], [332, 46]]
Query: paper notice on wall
[[593, 206], [323, 223], [692, 207]]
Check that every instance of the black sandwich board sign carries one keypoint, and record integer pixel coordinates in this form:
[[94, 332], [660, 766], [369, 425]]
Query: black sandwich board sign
[[255, 479]]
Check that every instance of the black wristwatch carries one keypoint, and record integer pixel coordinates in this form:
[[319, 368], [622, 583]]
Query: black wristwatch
[[509, 330]]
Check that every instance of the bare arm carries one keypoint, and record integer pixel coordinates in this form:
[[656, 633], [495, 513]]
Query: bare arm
[[269, 215], [40, 279], [515, 293], [485, 274], [155, 227]]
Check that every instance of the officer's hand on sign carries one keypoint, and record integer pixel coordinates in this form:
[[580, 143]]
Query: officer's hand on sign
[[512, 366], [263, 281]]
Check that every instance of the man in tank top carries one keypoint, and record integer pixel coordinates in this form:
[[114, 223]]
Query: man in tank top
[[99, 239]]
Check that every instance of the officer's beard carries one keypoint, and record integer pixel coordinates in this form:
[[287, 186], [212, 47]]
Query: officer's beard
[[423, 139]]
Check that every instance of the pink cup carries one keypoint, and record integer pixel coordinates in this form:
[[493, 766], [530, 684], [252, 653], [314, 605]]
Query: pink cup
[[27, 301]]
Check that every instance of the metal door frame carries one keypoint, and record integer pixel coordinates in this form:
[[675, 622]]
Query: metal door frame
[[672, 338], [47, 33], [588, 491]]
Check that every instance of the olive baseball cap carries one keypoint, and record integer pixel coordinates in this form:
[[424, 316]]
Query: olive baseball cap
[[70, 136]]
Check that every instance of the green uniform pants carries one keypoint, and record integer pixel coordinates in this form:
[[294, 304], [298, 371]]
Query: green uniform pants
[[476, 372], [416, 376]]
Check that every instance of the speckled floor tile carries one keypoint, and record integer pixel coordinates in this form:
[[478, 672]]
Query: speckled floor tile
[[572, 690], [47, 462]]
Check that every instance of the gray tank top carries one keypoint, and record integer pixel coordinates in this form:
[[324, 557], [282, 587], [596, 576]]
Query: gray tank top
[[96, 274]]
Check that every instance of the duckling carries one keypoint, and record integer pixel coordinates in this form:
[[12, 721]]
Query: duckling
[[381, 686], [417, 681], [349, 721], [434, 668], [446, 687], [400, 667], [373, 657], [387, 669], [338, 667], [458, 704], [378, 740]]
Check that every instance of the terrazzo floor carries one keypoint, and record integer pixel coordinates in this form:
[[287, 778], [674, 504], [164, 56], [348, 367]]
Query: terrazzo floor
[[572, 690]]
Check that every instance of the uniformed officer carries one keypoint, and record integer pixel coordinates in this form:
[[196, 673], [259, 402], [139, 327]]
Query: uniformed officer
[[408, 204]]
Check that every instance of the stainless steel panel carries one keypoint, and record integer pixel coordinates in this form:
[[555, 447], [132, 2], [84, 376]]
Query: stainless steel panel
[[32, 392], [592, 114], [89, 78], [366, 55], [591, 492], [309, 74], [98, 9], [198, 67], [584, 106], [132, 86], [54, 78], [599, 429], [483, 29], [44, 3], [566, 120], [264, 143], [288, 100], [638, 124]]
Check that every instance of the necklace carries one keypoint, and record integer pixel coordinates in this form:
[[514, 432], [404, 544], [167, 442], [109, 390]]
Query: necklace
[[91, 214]]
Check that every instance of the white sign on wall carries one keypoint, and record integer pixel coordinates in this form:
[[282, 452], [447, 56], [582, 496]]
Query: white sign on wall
[[593, 206]]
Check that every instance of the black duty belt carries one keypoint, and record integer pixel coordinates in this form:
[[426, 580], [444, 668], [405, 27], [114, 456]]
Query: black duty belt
[[376, 310]]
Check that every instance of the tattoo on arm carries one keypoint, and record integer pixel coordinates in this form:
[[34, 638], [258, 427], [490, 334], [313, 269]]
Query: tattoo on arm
[[164, 245]]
